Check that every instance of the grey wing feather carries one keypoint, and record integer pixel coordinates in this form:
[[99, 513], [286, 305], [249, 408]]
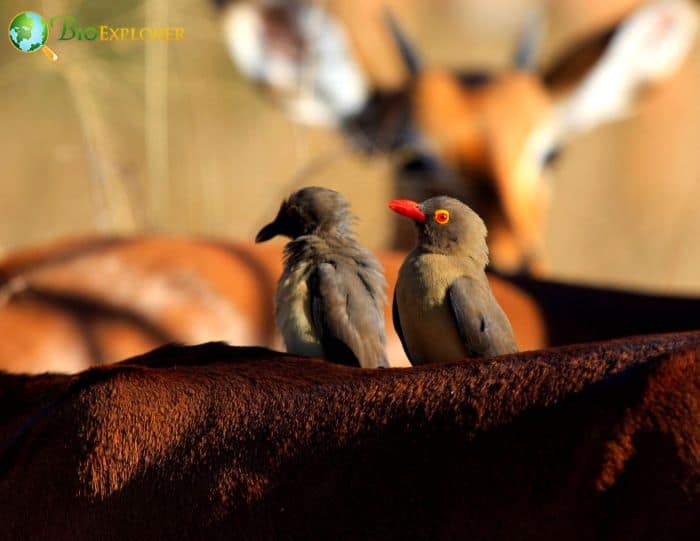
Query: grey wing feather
[[347, 318], [481, 323]]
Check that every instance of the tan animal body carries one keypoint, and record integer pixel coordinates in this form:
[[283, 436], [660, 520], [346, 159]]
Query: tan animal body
[[81, 302]]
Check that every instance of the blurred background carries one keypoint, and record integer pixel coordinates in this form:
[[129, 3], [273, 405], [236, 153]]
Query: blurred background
[[136, 136]]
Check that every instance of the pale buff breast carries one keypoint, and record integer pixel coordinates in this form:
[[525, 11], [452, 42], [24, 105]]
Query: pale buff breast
[[293, 313], [426, 319]]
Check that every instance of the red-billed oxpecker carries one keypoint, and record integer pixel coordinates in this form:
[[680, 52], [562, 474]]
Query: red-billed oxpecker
[[444, 309], [330, 296]]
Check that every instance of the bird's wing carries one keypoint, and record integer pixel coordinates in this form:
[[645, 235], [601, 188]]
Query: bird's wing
[[397, 327], [481, 323], [346, 317]]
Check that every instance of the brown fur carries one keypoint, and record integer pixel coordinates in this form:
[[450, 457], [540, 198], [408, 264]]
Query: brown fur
[[210, 442], [129, 295]]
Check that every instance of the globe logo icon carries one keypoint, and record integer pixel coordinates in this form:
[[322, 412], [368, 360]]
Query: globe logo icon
[[28, 33]]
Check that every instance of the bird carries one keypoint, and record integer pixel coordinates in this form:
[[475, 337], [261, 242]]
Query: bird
[[331, 294], [443, 307]]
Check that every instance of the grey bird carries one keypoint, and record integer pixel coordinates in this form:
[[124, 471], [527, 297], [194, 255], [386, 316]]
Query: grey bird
[[444, 309], [331, 294]]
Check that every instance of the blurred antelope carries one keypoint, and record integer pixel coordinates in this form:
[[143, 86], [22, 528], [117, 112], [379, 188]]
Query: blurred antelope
[[89, 301], [96, 300], [487, 139]]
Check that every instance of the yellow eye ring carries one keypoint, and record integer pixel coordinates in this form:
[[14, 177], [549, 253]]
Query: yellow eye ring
[[442, 216]]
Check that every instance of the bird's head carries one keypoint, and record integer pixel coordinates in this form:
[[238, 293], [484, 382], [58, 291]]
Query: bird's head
[[446, 226], [309, 211]]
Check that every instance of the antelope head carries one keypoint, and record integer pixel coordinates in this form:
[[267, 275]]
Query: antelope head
[[486, 138]]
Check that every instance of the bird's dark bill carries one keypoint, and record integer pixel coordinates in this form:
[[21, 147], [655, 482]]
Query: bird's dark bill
[[266, 233], [407, 208]]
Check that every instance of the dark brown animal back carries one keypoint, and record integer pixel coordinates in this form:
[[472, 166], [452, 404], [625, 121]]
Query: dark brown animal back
[[585, 442]]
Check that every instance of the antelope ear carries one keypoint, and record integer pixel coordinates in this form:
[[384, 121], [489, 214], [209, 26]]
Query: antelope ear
[[243, 28], [647, 47], [301, 54]]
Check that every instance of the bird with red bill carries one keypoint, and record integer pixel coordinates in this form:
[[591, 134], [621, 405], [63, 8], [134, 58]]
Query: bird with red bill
[[444, 309]]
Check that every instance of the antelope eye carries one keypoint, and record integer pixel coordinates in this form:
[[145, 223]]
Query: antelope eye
[[442, 216]]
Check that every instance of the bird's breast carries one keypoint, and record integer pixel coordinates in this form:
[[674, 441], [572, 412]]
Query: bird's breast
[[293, 312], [427, 322]]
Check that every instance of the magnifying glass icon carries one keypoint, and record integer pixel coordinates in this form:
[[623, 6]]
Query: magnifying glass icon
[[28, 33]]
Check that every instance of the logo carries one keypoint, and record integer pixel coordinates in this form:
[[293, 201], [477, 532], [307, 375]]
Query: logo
[[28, 33], [68, 27]]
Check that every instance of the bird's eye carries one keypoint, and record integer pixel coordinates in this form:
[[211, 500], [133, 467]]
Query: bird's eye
[[442, 216]]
